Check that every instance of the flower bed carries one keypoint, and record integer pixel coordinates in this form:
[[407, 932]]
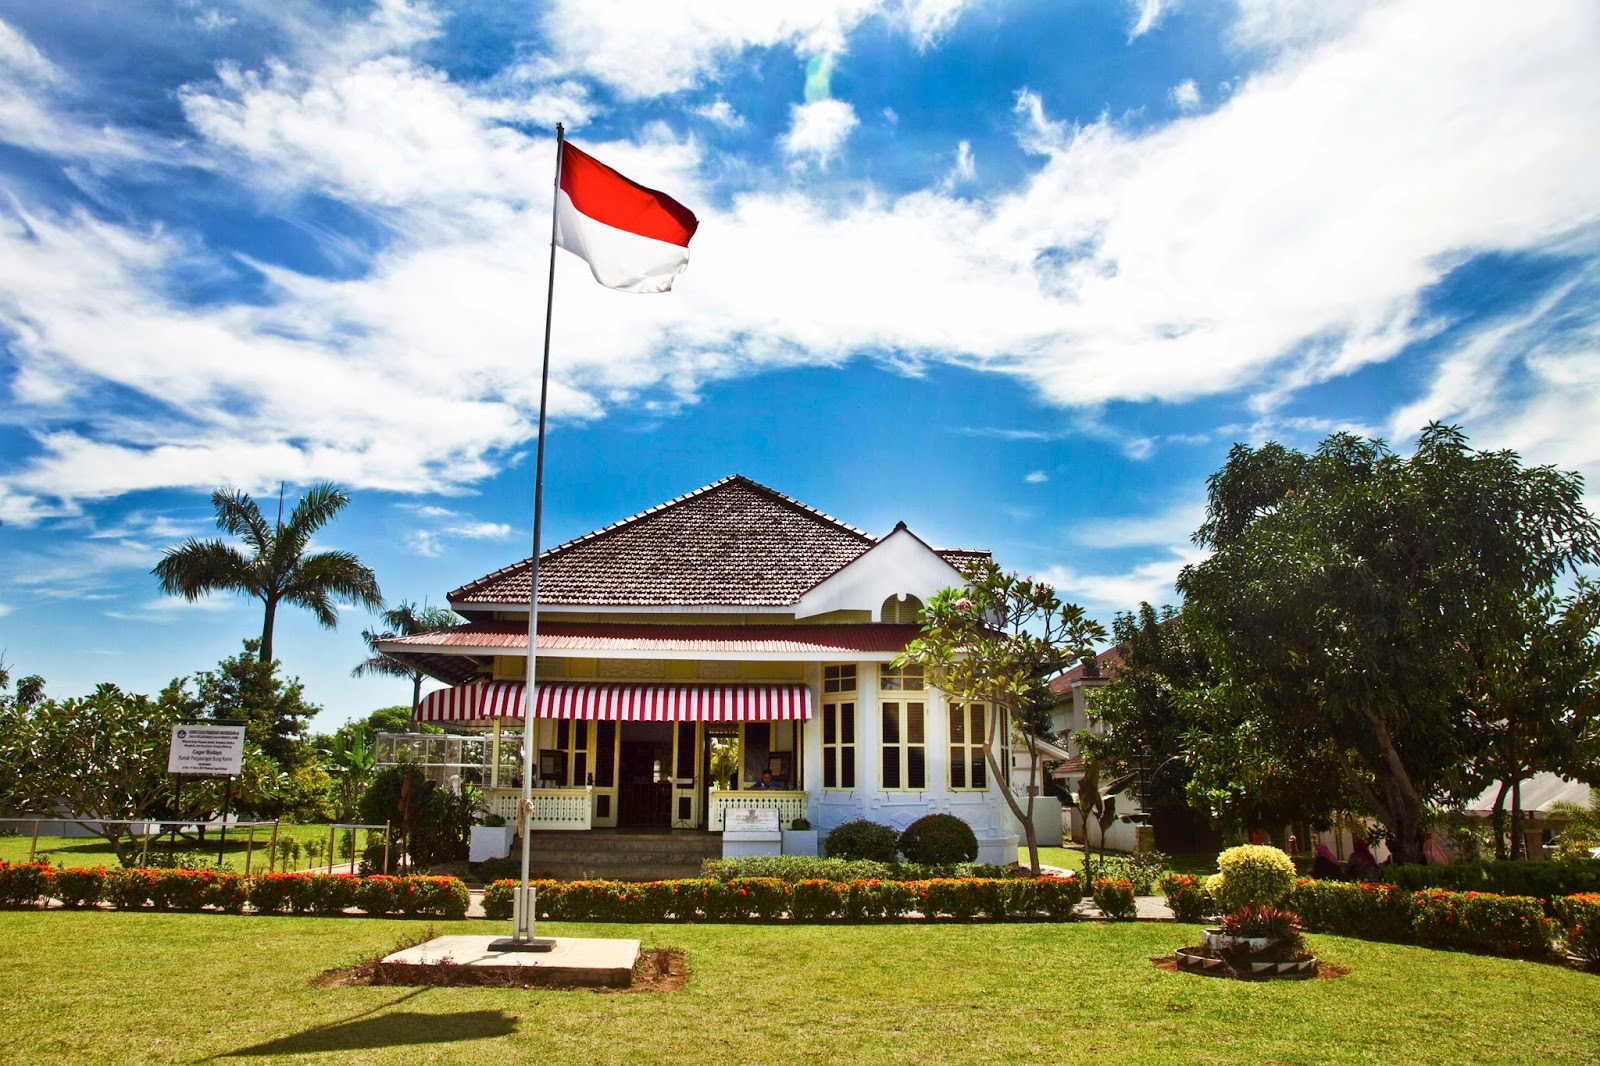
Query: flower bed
[[1457, 921], [1580, 921], [31, 884], [814, 899], [1187, 897]]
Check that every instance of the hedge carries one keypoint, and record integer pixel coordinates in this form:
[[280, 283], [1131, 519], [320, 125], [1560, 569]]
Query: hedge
[[1458, 921], [794, 868], [1580, 920], [30, 884], [1546, 879], [812, 899]]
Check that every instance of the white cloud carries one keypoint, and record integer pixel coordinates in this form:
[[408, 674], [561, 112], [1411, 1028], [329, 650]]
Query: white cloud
[[1036, 477], [1283, 238], [1186, 95], [1147, 15], [965, 169], [1170, 528], [818, 130], [643, 48], [1103, 594], [722, 113], [5, 609]]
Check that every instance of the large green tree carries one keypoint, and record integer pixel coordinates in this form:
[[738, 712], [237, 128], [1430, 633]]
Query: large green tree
[[275, 566], [405, 620], [997, 641], [1355, 593], [1534, 705]]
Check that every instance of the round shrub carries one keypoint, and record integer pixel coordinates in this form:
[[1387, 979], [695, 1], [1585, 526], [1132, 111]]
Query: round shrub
[[938, 840], [1253, 875], [862, 839]]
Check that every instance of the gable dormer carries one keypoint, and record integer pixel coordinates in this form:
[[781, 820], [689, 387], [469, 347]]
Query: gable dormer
[[891, 580]]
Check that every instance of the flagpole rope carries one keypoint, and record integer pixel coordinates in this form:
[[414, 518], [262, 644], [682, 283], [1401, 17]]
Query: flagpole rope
[[523, 929]]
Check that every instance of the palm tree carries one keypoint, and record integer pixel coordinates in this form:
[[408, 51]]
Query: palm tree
[[276, 568], [402, 621]]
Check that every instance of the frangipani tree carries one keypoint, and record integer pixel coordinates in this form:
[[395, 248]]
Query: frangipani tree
[[996, 641]]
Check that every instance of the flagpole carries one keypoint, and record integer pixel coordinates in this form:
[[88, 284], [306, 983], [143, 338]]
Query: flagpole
[[524, 908]]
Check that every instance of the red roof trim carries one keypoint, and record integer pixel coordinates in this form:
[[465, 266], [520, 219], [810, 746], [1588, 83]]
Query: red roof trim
[[599, 637]]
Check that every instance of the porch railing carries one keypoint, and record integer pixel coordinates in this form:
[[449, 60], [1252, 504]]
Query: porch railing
[[553, 808], [789, 805]]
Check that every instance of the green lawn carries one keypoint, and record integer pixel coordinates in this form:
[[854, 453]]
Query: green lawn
[[1072, 859], [156, 988], [94, 851]]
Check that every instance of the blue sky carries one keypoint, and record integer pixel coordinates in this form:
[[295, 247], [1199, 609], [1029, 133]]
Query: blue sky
[[1018, 274]]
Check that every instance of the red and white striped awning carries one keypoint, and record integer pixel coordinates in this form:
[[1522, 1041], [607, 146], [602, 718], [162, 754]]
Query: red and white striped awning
[[484, 701]]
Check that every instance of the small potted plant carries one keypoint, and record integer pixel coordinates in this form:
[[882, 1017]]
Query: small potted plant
[[800, 839]]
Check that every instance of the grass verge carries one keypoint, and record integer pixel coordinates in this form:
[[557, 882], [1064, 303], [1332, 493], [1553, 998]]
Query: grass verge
[[138, 988]]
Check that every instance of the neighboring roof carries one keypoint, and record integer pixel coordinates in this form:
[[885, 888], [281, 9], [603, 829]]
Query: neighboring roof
[[600, 637], [732, 543], [1538, 793], [1110, 662]]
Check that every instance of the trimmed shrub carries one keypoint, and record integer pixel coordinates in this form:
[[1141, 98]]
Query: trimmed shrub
[[796, 868], [1482, 922], [816, 899], [497, 897], [131, 888], [938, 840], [1187, 897], [332, 893], [1580, 922], [1252, 875], [1114, 897], [79, 886], [277, 893], [1057, 896], [862, 839], [24, 884], [228, 892], [1143, 871], [1370, 911], [1545, 879]]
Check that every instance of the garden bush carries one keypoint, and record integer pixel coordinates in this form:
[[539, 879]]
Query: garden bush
[[1187, 897], [1143, 871], [1252, 875], [938, 840], [1580, 923], [131, 888], [79, 886], [23, 884], [1482, 922], [1365, 910], [1545, 879], [795, 868], [1114, 897], [862, 839]]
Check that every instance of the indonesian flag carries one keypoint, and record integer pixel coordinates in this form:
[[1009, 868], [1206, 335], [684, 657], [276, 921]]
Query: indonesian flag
[[633, 238]]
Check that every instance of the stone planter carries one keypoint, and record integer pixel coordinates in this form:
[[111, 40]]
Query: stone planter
[[490, 842], [1217, 940], [800, 842], [1197, 962]]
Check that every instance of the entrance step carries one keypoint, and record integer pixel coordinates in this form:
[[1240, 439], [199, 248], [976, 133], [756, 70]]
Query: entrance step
[[621, 854]]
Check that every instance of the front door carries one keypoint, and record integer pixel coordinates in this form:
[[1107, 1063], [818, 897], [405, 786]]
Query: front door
[[645, 792]]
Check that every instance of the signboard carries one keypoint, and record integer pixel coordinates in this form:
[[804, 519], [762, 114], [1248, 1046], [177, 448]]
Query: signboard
[[752, 820], [206, 749]]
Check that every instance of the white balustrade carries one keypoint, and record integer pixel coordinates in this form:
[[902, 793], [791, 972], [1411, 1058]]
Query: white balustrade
[[789, 805], [553, 808]]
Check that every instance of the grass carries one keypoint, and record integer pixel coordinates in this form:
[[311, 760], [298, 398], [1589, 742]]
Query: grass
[[94, 851], [1072, 859], [137, 988]]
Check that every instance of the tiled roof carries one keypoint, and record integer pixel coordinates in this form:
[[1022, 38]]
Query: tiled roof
[[1110, 662], [601, 637], [731, 543]]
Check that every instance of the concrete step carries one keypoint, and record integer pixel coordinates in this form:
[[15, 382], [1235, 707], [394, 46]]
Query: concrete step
[[622, 855]]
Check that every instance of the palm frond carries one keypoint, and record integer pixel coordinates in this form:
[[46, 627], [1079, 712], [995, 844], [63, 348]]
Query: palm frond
[[238, 515], [320, 504], [197, 567], [334, 574]]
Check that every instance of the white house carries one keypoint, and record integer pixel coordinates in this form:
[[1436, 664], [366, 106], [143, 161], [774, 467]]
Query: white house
[[731, 614]]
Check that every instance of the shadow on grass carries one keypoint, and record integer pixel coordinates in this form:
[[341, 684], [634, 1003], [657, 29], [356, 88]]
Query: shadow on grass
[[373, 1030]]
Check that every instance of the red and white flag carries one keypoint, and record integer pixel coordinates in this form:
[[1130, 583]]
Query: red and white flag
[[633, 238]]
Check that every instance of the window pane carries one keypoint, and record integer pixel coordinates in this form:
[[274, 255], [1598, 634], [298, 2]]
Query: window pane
[[958, 768], [891, 767], [980, 771], [830, 776], [958, 726], [891, 724], [977, 723], [830, 728], [847, 768], [916, 767], [847, 723], [914, 723]]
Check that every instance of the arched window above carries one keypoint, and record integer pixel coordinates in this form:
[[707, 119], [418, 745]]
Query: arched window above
[[905, 609]]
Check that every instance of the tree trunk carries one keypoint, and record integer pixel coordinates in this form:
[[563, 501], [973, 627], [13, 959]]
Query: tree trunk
[[266, 630], [1516, 819], [1002, 780], [1497, 818]]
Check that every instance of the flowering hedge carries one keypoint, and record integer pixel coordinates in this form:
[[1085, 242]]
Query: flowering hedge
[[31, 884], [1580, 920], [1457, 921], [815, 899], [1188, 898], [1114, 897]]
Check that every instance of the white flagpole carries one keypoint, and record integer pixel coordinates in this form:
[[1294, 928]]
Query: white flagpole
[[524, 908]]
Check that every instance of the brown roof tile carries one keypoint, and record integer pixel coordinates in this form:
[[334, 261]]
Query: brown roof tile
[[600, 637], [731, 543]]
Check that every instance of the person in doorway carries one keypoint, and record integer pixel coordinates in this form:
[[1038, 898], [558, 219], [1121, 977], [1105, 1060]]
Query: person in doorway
[[767, 781]]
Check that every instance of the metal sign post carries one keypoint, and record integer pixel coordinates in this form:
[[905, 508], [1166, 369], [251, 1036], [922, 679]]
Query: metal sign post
[[208, 748]]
